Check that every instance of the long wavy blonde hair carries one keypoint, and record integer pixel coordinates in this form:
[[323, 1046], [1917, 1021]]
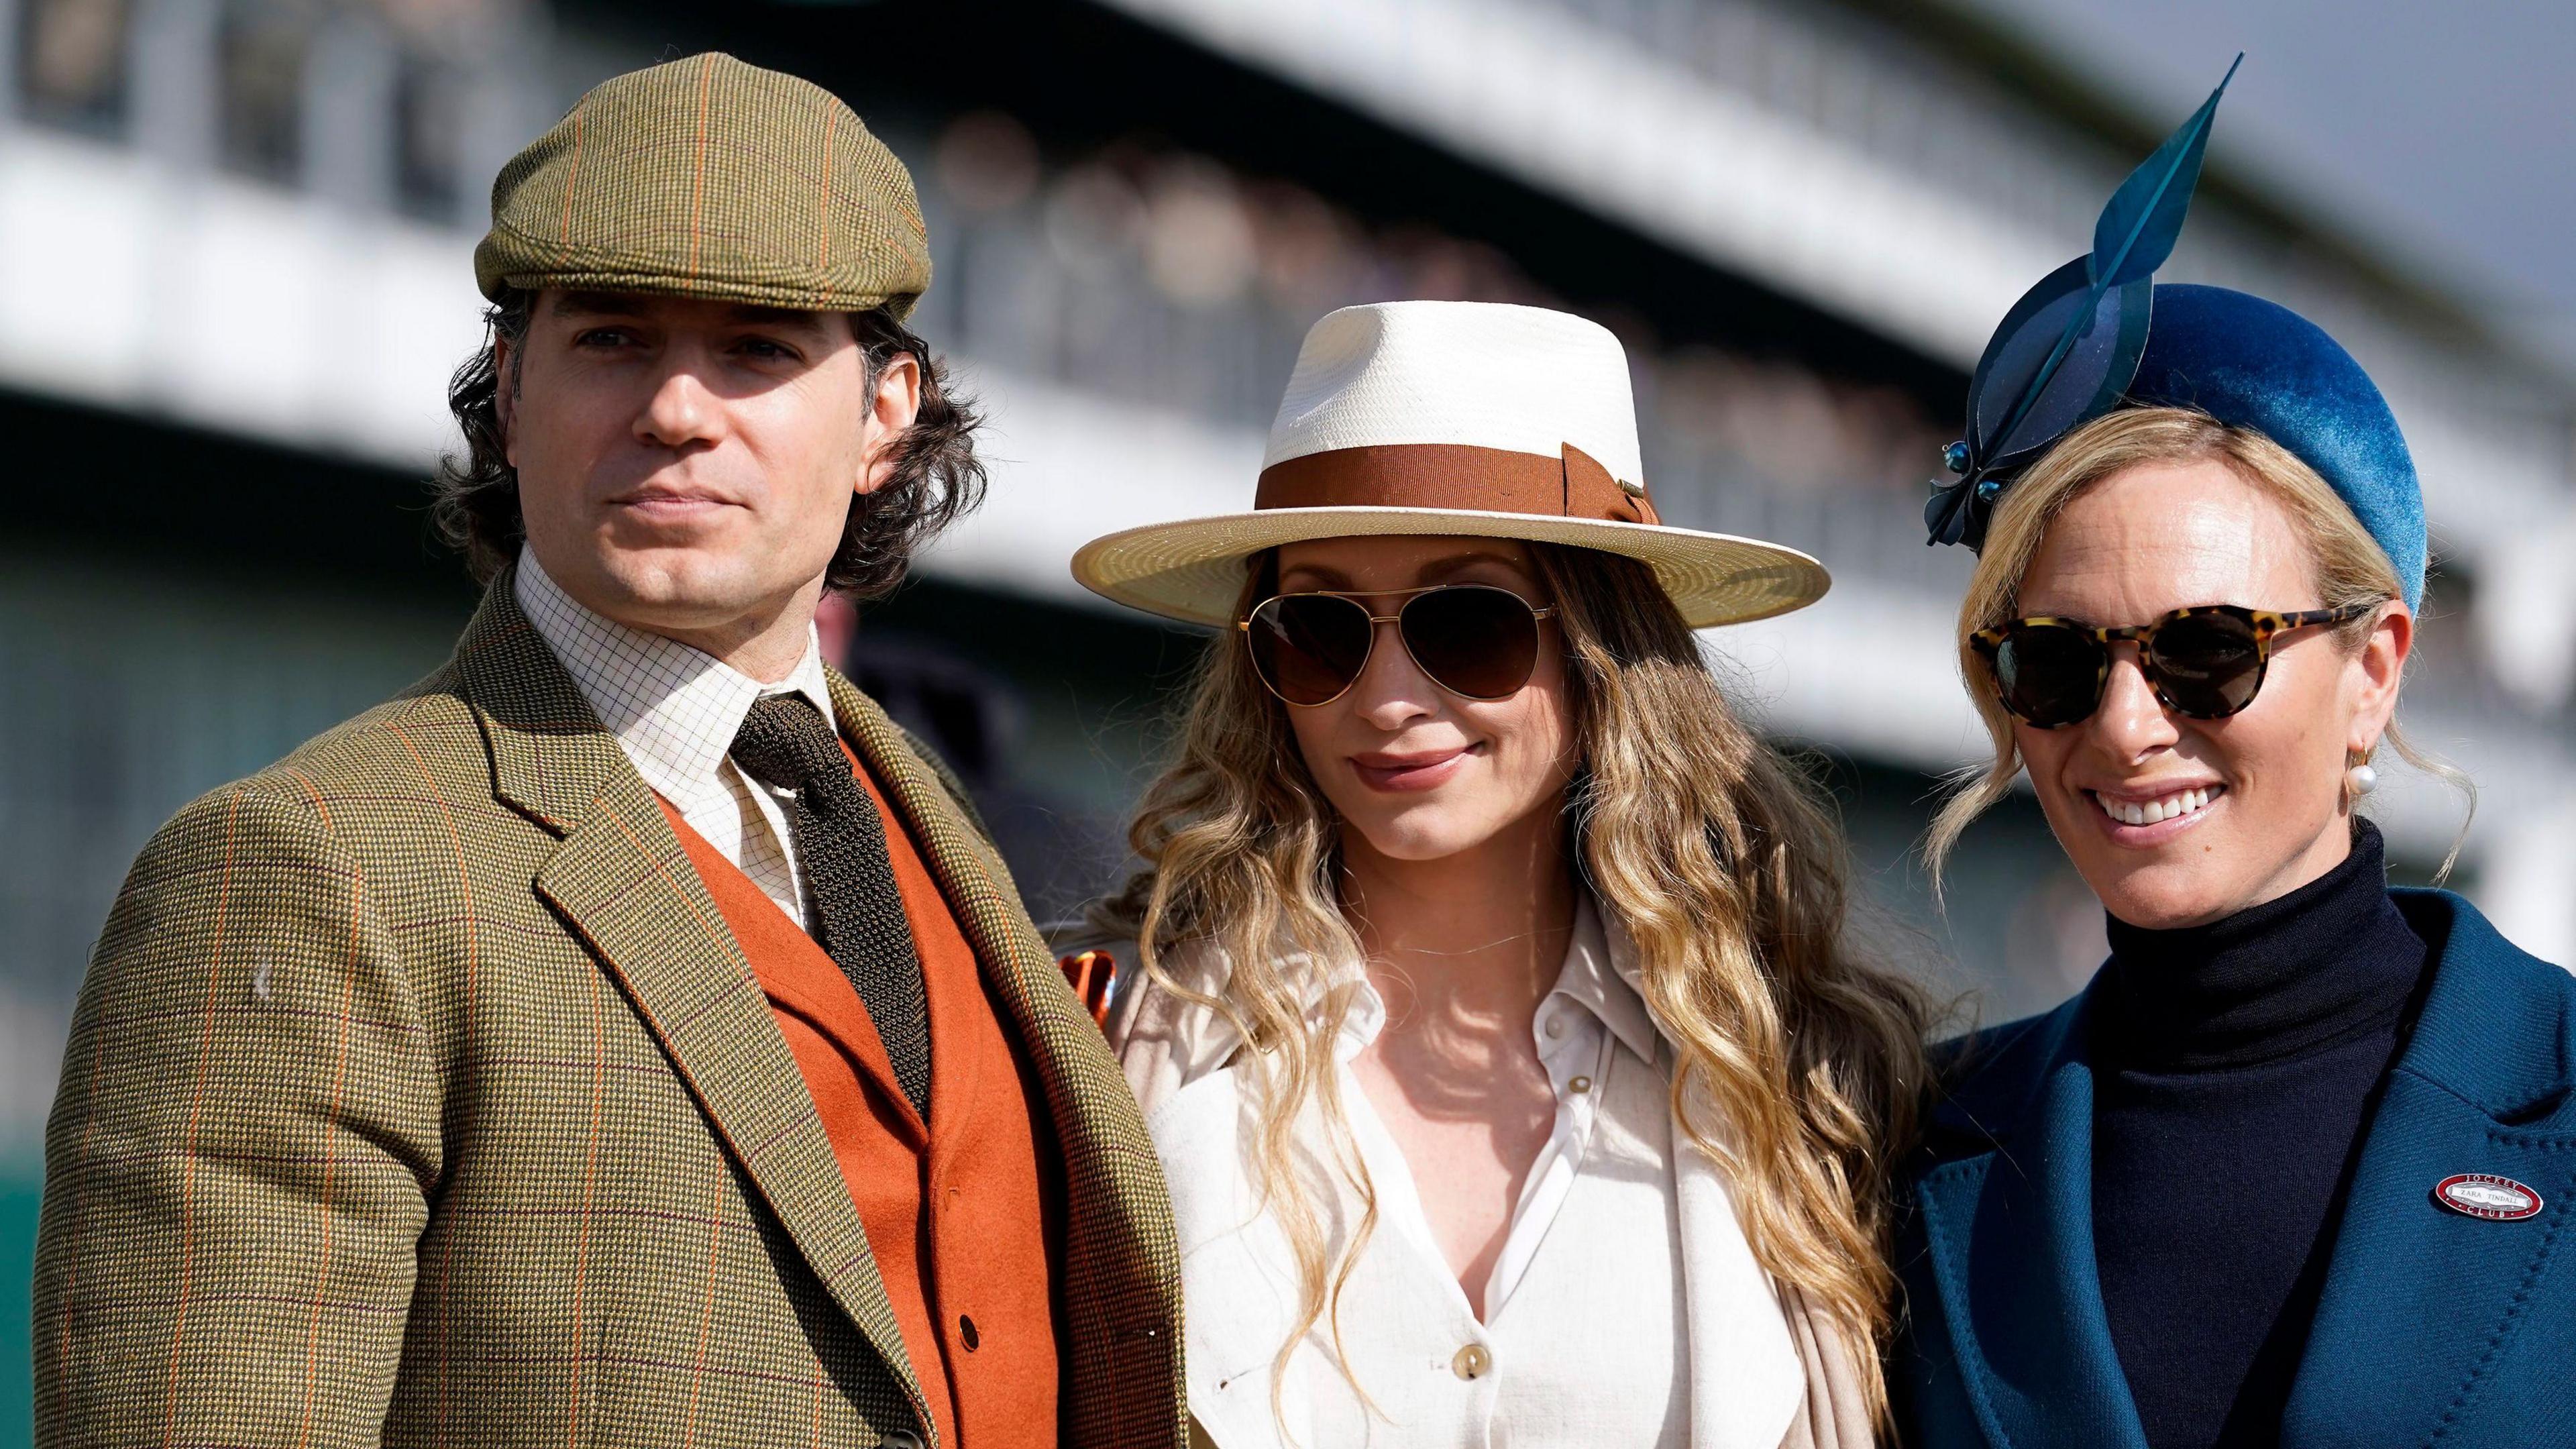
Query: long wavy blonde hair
[[1800, 1063], [2348, 565]]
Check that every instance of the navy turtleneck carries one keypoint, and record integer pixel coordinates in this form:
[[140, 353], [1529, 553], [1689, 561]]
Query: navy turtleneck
[[2235, 1065]]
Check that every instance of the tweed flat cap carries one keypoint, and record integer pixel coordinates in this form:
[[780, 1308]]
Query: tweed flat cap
[[706, 177]]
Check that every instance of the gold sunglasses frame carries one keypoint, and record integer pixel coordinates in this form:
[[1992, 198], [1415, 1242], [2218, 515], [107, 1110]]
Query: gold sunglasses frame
[[1539, 614]]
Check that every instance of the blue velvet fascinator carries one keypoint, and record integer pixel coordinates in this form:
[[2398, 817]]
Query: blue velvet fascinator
[[2097, 334]]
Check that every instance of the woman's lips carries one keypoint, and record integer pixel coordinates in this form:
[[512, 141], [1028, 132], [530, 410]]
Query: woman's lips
[[1402, 773], [2158, 819]]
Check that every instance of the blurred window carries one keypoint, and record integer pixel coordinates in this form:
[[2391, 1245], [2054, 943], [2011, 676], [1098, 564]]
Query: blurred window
[[429, 128], [261, 53], [71, 62]]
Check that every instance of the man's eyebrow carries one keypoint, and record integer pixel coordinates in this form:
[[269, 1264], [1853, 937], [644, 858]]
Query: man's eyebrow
[[595, 304], [755, 315], [620, 304]]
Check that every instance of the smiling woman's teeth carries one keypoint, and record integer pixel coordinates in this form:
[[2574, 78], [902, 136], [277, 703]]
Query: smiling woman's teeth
[[2131, 812]]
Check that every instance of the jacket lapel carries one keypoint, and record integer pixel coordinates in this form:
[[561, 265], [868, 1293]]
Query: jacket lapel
[[1747, 1379], [1745, 1374], [1122, 1272], [625, 886], [1043, 1014], [2010, 1233], [2422, 1304]]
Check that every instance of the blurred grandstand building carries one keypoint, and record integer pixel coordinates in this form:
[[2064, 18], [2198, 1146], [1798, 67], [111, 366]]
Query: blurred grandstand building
[[234, 277]]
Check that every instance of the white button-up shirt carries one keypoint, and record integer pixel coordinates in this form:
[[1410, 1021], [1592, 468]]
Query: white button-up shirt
[[1588, 1024], [675, 711], [1584, 1338]]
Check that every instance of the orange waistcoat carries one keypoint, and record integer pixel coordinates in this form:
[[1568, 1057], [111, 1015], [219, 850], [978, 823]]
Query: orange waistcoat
[[964, 1218]]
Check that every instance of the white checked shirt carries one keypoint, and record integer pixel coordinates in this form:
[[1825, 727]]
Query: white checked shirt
[[675, 711]]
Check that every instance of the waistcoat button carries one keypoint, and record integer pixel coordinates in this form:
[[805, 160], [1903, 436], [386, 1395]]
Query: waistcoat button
[[966, 1331], [901, 1439], [1471, 1362]]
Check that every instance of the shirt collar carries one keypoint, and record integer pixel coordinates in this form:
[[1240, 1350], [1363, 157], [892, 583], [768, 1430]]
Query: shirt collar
[[1600, 975], [673, 709], [1595, 980]]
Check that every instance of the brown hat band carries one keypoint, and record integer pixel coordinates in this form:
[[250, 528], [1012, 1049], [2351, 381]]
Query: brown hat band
[[1455, 475]]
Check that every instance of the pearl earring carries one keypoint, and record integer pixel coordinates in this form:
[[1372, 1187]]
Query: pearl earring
[[2364, 779]]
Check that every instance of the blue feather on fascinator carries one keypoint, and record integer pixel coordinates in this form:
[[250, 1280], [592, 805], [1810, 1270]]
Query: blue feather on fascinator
[[2067, 350], [2098, 332]]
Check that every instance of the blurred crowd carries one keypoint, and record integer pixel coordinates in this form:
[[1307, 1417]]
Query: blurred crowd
[[1168, 278]]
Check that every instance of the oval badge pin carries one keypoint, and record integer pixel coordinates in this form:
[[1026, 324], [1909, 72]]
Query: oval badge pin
[[2484, 1195]]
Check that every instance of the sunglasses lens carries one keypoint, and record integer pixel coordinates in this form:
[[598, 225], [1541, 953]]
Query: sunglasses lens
[[1473, 640], [1309, 647], [2208, 664], [2049, 674]]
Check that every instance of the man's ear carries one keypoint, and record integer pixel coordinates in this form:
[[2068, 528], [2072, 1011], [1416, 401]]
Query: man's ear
[[505, 395], [890, 414]]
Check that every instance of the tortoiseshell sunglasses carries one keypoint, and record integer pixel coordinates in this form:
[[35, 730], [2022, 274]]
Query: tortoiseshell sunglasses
[[2205, 662]]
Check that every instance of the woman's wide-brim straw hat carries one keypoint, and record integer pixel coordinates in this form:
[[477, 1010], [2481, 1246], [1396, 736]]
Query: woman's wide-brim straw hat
[[1451, 418]]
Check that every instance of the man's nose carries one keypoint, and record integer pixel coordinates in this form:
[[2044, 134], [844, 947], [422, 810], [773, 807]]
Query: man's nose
[[681, 410]]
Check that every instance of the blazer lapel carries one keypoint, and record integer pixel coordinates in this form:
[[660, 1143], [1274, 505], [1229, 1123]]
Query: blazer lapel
[[1122, 1272], [2421, 1304], [625, 886], [2011, 1239], [1043, 1013]]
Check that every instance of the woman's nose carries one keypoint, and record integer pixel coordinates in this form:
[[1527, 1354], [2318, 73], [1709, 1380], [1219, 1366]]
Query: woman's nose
[[2131, 723], [1392, 691]]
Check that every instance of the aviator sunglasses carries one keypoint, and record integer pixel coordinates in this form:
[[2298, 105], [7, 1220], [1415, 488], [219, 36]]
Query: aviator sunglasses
[[1473, 640], [2205, 662]]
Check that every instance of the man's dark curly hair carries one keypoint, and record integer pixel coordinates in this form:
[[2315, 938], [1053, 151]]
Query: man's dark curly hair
[[937, 478]]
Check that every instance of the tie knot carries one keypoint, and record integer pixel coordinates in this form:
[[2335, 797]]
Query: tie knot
[[785, 743]]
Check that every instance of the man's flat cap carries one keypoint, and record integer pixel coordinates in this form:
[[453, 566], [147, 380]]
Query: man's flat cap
[[707, 177]]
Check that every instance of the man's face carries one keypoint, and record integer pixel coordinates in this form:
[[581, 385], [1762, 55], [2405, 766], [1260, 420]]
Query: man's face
[[686, 467]]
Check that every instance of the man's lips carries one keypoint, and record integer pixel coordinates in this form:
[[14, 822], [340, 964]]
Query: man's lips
[[1420, 770], [670, 504], [639, 497]]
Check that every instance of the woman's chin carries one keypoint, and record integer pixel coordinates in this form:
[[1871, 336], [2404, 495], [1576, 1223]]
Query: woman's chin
[[1417, 842], [2166, 895], [1432, 830]]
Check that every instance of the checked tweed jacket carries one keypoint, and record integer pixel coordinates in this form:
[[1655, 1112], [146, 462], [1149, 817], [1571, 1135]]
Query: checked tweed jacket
[[418, 1094]]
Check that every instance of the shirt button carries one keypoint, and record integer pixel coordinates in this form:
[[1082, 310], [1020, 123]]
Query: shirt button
[[1471, 1362], [1580, 1084], [1555, 1027]]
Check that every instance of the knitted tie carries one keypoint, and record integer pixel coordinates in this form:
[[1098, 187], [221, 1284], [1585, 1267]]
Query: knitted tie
[[785, 743]]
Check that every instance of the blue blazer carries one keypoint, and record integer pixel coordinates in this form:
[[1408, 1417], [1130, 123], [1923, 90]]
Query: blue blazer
[[2434, 1328]]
